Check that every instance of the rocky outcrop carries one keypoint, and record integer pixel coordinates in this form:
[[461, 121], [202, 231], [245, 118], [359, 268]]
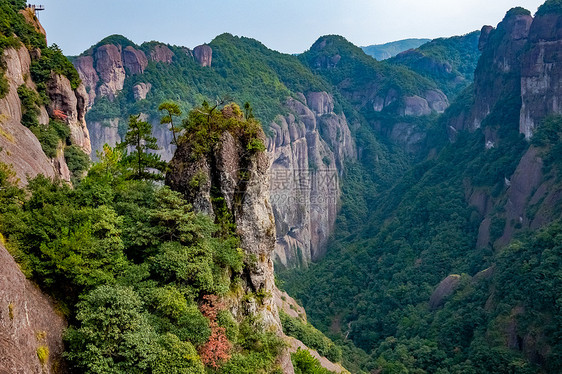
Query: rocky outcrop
[[134, 60], [498, 73], [72, 104], [246, 196], [203, 55], [109, 65], [541, 73], [241, 180], [445, 289], [308, 149], [30, 325], [141, 90], [20, 147], [103, 71], [522, 185], [161, 53], [89, 76]]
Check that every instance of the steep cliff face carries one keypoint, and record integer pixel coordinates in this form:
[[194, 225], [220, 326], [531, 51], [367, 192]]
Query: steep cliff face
[[308, 149], [517, 85], [229, 184], [541, 72], [21, 148], [519, 60], [103, 72], [498, 74], [30, 326]]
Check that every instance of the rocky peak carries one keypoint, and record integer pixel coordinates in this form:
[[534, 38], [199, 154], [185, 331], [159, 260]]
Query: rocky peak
[[484, 37], [161, 53], [109, 63], [203, 54], [134, 60], [230, 179], [541, 70], [109, 66], [497, 73]]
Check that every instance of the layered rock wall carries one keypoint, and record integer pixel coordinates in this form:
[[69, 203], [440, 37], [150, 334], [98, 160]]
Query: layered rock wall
[[308, 149], [21, 149]]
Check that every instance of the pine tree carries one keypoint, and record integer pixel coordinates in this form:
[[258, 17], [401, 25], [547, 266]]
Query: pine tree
[[172, 109], [139, 137]]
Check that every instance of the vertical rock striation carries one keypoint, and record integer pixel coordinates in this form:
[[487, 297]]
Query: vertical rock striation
[[541, 72], [308, 149]]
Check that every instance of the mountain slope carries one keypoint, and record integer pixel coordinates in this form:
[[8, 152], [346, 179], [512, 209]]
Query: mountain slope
[[420, 276], [391, 49], [450, 62]]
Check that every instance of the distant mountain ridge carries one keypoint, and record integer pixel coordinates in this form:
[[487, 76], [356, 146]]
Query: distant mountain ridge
[[455, 267], [391, 49]]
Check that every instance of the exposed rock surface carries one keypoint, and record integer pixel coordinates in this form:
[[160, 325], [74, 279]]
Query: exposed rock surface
[[20, 147], [161, 53], [29, 321], [141, 90], [109, 65], [72, 103], [308, 149], [134, 60], [288, 305], [85, 67], [247, 200], [203, 55], [541, 73], [520, 57], [497, 74], [445, 289]]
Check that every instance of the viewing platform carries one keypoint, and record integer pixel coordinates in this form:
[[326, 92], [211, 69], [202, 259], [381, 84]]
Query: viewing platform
[[35, 8]]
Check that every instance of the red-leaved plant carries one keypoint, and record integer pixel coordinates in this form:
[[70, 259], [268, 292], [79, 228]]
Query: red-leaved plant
[[217, 350], [59, 114]]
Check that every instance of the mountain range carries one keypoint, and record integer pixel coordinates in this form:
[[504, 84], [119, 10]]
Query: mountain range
[[415, 201]]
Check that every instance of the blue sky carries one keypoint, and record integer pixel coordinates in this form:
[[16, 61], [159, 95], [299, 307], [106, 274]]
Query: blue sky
[[289, 26]]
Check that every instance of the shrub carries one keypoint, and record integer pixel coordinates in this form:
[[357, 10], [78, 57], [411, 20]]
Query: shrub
[[43, 354], [77, 161]]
